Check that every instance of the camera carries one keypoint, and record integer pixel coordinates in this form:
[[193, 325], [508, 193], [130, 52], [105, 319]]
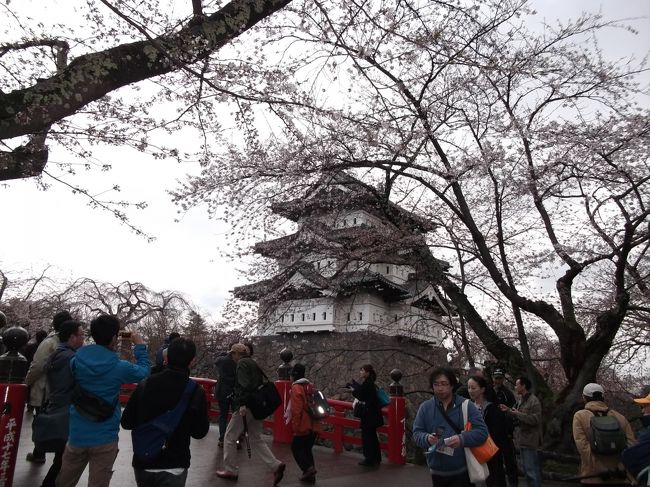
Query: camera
[[125, 334]]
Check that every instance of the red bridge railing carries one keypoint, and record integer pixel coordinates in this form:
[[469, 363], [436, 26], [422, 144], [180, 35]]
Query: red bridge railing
[[339, 427]]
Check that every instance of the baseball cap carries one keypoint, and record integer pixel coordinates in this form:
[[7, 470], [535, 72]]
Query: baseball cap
[[643, 400], [239, 348], [592, 387], [498, 373]]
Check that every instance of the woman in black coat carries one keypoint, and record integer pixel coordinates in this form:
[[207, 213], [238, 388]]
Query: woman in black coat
[[485, 399], [371, 417]]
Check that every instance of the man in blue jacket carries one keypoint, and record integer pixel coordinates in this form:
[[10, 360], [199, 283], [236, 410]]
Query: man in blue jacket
[[440, 422], [98, 370]]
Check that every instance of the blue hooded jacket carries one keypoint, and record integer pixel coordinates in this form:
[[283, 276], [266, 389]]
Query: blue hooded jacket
[[98, 369], [430, 420]]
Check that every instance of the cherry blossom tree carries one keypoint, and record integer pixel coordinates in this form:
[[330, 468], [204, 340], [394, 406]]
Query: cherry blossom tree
[[528, 150], [31, 301], [75, 83]]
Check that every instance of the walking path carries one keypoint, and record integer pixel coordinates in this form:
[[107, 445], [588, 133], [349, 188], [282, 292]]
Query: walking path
[[334, 469]]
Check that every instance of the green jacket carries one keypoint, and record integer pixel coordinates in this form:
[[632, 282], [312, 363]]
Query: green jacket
[[249, 378]]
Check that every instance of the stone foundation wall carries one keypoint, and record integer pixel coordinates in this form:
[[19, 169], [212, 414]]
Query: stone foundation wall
[[333, 359]]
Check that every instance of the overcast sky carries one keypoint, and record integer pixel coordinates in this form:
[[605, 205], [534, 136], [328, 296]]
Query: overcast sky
[[57, 228]]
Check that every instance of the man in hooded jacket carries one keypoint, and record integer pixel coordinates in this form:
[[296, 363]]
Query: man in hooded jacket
[[54, 418], [161, 393], [303, 426], [597, 468], [98, 370]]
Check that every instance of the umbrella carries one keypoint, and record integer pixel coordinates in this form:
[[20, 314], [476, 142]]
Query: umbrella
[[248, 443]]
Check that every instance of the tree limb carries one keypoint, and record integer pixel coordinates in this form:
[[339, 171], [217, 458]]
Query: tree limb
[[91, 76]]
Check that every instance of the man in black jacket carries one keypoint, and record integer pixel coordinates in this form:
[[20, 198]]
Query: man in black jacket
[[226, 370], [158, 394], [505, 396]]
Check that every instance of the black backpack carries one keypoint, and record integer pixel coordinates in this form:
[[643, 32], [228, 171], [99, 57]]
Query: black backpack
[[607, 436]]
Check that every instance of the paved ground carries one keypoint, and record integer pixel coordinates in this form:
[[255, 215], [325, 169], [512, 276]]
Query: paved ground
[[340, 470]]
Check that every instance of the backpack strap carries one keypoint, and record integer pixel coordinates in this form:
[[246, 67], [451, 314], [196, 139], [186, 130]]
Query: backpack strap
[[453, 425], [140, 392], [180, 408], [599, 413]]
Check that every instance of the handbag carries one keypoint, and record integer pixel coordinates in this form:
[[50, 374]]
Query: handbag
[[358, 408], [478, 472], [265, 400], [483, 453], [50, 427], [382, 397]]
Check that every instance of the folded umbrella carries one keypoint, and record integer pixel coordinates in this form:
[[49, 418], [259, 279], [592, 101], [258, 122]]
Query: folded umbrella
[[248, 443]]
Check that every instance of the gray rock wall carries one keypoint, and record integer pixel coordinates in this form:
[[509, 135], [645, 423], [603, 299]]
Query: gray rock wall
[[333, 359]]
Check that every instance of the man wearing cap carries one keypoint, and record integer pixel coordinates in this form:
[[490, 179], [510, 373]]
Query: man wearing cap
[[249, 377], [637, 457], [505, 396], [591, 463]]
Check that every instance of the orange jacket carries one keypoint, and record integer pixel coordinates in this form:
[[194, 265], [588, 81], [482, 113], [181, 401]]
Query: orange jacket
[[301, 422]]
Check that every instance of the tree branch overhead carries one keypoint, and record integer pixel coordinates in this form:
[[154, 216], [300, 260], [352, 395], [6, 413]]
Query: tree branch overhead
[[91, 76]]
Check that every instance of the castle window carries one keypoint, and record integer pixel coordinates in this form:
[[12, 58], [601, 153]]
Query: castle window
[[319, 264], [360, 316], [355, 221], [345, 222], [292, 317], [348, 316], [282, 319], [313, 316], [395, 317], [303, 317], [387, 269], [324, 315]]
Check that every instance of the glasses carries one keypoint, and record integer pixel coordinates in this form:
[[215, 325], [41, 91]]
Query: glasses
[[441, 384]]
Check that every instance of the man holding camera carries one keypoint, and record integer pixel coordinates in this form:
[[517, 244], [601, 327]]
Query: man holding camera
[[95, 414]]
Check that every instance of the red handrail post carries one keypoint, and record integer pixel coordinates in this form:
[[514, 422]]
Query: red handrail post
[[397, 430], [13, 394], [396, 420], [282, 431], [337, 441]]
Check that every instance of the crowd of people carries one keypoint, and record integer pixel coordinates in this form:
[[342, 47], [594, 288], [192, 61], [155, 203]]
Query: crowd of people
[[74, 392]]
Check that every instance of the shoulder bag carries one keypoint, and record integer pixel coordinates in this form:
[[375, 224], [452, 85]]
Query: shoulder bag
[[91, 406], [477, 471], [265, 400]]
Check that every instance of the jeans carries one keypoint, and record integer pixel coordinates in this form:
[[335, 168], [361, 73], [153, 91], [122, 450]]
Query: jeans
[[100, 460], [53, 472], [301, 447], [159, 479], [530, 464], [224, 409]]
